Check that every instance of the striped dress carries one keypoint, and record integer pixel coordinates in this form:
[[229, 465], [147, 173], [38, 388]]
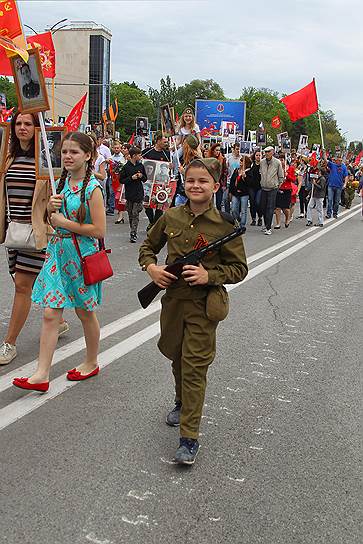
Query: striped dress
[[20, 184]]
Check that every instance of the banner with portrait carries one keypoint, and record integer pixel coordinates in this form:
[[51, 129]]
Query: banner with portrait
[[159, 188]]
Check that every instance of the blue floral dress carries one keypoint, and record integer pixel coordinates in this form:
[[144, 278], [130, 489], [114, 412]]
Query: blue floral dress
[[60, 283]]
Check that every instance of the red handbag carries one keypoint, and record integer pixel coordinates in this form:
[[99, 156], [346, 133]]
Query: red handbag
[[95, 267]]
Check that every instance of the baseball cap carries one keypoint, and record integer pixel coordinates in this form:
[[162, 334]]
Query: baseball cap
[[269, 148]]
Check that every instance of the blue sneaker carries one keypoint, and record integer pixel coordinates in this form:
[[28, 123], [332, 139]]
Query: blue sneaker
[[187, 451], [173, 417]]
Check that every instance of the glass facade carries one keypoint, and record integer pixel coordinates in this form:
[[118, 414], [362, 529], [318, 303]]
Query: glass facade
[[99, 77]]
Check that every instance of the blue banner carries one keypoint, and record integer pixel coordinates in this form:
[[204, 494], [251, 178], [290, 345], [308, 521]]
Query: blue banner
[[210, 113]]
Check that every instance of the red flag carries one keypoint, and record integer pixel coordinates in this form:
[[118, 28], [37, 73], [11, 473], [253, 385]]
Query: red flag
[[74, 118], [5, 115], [132, 139], [358, 158], [10, 20], [302, 103], [46, 52], [313, 160], [276, 122]]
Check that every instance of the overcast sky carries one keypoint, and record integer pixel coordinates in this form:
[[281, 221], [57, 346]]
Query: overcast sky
[[279, 45]]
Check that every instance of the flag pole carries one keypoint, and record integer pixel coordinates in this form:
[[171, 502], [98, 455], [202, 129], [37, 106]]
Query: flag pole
[[53, 101], [319, 116], [47, 152]]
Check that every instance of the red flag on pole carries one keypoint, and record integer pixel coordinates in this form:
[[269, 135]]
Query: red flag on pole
[[10, 20], [132, 139], [358, 158], [74, 118], [276, 122], [46, 52], [302, 103]]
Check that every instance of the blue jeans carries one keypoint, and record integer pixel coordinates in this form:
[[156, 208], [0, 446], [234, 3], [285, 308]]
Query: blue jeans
[[333, 200], [239, 207], [255, 198], [268, 204], [110, 195]]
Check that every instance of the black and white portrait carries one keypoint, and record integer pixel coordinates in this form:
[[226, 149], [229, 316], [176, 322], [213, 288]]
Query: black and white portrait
[[150, 168], [29, 83], [285, 144], [261, 137], [245, 147], [162, 173], [142, 126], [54, 138], [167, 121]]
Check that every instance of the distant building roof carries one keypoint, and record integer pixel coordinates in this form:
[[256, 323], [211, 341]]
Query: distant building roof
[[82, 25]]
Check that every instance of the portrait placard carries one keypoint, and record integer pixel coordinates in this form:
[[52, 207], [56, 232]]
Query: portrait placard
[[4, 144], [142, 126], [167, 121], [159, 189], [29, 83], [245, 147], [54, 137], [261, 136]]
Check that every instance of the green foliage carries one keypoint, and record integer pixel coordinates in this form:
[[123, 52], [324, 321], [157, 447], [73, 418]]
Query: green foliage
[[206, 89], [8, 88], [262, 105], [132, 102]]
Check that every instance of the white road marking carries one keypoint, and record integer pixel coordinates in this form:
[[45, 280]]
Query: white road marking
[[26, 404], [78, 345], [18, 409]]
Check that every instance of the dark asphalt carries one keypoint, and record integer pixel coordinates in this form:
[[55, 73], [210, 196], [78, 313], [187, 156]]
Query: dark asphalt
[[280, 460]]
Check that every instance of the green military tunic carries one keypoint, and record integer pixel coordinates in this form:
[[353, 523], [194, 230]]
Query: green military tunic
[[188, 337]]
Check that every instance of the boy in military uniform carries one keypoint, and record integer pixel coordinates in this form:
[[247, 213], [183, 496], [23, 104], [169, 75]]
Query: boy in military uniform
[[194, 304]]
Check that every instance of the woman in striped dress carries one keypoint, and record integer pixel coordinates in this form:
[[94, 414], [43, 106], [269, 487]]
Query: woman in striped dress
[[28, 199]]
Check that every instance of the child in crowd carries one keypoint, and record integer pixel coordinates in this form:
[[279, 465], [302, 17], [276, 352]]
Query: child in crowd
[[133, 176], [193, 305], [318, 190], [60, 284]]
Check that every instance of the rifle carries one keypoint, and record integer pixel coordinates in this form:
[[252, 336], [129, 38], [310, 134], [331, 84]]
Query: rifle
[[147, 294]]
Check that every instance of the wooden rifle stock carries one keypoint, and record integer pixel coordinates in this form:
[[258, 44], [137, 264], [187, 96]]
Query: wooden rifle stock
[[147, 294]]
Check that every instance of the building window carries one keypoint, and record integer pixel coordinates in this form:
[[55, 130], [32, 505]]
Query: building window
[[99, 77]]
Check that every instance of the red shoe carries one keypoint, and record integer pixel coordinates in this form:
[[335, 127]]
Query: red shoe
[[24, 384], [75, 376]]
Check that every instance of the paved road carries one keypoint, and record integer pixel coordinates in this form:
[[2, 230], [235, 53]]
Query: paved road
[[280, 456]]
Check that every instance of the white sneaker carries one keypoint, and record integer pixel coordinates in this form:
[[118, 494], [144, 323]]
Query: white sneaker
[[301, 216], [63, 328], [263, 229], [268, 231], [7, 353]]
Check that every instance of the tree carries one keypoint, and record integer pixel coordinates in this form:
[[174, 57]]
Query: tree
[[8, 88], [205, 89], [132, 102], [263, 105]]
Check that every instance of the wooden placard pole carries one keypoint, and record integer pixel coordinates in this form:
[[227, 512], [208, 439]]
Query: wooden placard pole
[[47, 152]]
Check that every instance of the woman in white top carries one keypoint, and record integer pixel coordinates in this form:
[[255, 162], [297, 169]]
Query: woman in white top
[[187, 125]]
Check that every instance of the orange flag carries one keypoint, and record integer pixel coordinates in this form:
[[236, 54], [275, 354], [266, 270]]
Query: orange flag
[[9, 46]]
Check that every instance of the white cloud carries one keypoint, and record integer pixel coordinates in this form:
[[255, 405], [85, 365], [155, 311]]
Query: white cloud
[[237, 43]]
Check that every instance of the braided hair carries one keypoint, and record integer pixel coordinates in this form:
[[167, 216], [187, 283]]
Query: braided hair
[[86, 143]]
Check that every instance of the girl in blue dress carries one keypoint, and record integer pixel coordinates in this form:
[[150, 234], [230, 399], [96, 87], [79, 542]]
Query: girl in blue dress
[[60, 284]]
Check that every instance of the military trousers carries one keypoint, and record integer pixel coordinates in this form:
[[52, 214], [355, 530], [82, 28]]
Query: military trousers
[[188, 339], [134, 209]]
